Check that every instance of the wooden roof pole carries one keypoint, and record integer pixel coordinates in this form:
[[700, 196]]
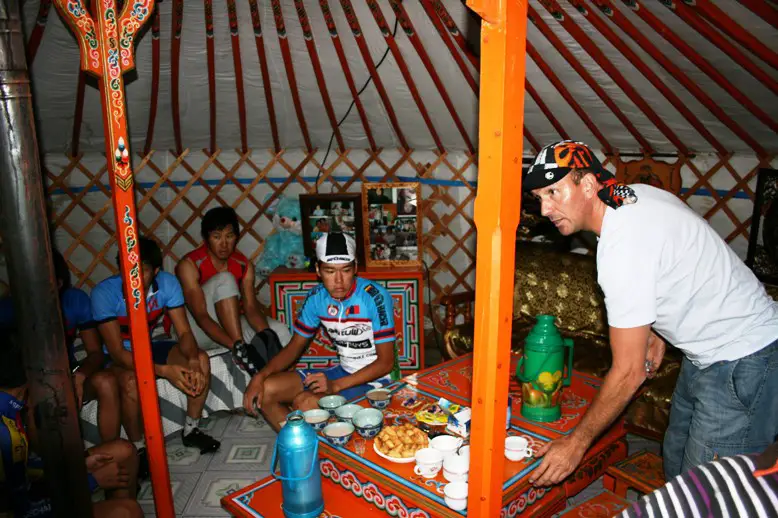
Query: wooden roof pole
[[497, 207], [107, 46]]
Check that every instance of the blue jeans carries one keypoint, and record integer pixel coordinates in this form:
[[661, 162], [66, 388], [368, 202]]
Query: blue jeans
[[337, 372], [726, 409]]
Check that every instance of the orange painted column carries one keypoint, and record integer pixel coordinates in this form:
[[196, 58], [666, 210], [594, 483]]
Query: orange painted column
[[497, 209], [107, 45]]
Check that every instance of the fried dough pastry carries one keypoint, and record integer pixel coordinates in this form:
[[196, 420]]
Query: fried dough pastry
[[401, 442]]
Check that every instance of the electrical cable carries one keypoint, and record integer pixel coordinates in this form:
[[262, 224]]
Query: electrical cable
[[369, 79], [429, 300]]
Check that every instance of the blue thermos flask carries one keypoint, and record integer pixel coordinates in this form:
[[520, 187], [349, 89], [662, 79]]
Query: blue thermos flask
[[297, 451]]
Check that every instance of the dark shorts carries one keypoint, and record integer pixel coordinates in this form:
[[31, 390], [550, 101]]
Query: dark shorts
[[160, 351], [337, 372]]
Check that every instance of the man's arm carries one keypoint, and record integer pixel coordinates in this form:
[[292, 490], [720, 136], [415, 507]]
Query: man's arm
[[112, 337], [189, 277], [251, 307], [378, 369], [94, 352], [186, 339], [627, 372]]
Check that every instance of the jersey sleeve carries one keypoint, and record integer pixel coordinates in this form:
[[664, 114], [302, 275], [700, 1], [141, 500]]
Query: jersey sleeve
[[627, 269], [307, 322], [171, 288], [383, 317], [104, 303], [78, 308]]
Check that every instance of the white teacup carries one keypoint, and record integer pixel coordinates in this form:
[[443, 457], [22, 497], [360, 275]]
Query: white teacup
[[428, 462], [446, 444], [464, 451], [517, 448], [456, 495], [456, 468]]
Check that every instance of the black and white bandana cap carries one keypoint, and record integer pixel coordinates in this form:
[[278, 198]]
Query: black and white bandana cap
[[336, 248]]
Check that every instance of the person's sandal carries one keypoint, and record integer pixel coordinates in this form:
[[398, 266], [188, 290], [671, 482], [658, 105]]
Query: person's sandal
[[203, 442]]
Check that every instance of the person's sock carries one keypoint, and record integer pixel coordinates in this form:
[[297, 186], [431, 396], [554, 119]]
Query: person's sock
[[190, 424], [139, 445]]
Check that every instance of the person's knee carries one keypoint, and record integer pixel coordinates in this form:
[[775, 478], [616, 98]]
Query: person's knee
[[123, 508], [129, 384], [122, 451], [105, 384], [205, 362], [305, 401]]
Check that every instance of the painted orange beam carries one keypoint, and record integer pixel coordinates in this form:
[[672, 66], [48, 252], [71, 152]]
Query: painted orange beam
[[99, 39], [497, 208], [763, 10]]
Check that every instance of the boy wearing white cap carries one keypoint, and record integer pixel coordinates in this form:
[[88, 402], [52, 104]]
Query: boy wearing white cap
[[357, 315]]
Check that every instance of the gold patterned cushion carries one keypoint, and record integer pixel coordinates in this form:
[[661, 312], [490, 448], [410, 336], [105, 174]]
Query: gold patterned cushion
[[560, 284]]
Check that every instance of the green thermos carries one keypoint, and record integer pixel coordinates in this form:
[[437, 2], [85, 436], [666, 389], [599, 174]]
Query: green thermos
[[541, 371]]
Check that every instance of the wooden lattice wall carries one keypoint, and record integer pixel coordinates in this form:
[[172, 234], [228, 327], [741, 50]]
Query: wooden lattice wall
[[174, 191]]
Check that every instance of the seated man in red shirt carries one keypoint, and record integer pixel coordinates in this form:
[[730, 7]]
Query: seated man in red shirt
[[218, 284]]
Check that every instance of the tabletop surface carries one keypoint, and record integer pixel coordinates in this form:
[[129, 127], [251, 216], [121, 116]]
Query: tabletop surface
[[451, 380]]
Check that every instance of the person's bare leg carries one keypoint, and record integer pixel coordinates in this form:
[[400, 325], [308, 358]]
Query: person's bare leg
[[281, 389], [194, 405], [124, 508], [131, 416], [228, 314], [104, 386], [124, 454], [306, 401]]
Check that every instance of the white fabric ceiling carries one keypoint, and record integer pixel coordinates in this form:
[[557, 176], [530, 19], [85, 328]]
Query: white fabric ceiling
[[55, 78]]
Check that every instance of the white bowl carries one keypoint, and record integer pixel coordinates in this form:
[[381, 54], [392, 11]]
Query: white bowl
[[456, 495]]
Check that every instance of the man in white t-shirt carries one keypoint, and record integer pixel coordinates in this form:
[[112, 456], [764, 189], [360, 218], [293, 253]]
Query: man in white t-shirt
[[666, 275]]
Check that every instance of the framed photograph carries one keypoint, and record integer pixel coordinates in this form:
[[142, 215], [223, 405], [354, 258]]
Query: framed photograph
[[762, 255], [392, 224], [331, 213]]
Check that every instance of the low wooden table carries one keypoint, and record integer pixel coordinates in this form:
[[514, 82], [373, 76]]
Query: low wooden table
[[643, 472], [362, 474]]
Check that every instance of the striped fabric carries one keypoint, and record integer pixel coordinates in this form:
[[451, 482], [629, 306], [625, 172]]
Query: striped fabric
[[722, 488]]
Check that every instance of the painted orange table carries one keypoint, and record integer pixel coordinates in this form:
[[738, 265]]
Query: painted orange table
[[394, 489]]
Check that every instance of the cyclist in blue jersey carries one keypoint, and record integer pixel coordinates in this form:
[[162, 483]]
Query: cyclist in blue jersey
[[182, 363], [357, 315], [111, 466], [90, 379]]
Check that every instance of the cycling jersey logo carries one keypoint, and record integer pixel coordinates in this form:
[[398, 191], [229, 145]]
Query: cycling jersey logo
[[352, 310], [379, 303], [332, 310], [355, 330], [361, 344]]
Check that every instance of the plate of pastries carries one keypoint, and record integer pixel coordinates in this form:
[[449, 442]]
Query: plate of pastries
[[399, 443]]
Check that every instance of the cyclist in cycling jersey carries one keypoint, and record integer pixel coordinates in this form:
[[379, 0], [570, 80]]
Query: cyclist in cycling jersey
[[357, 315]]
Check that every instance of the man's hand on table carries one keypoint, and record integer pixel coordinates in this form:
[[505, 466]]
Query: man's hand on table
[[319, 384], [560, 458]]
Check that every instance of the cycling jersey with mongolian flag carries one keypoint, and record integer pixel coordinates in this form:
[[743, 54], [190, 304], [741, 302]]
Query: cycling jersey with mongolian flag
[[108, 303], [364, 318]]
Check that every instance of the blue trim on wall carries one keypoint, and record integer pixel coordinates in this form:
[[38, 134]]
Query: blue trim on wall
[[311, 179]]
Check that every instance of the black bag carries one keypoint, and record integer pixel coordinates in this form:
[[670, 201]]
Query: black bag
[[263, 347]]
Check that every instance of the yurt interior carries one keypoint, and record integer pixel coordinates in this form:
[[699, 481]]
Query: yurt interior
[[354, 258]]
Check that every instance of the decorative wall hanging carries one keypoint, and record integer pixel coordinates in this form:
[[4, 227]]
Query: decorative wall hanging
[[762, 255], [392, 224]]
